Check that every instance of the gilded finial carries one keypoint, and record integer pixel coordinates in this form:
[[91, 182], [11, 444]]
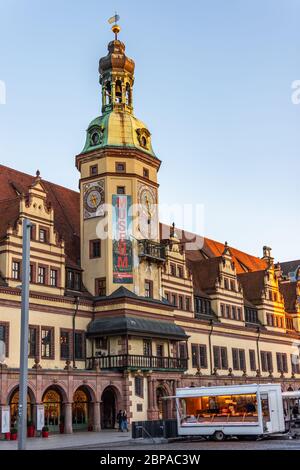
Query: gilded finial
[[115, 28]]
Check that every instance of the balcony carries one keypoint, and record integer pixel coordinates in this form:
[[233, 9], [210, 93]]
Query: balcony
[[152, 251], [137, 362]]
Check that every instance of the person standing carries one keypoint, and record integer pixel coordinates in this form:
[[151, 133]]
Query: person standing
[[124, 421], [119, 420]]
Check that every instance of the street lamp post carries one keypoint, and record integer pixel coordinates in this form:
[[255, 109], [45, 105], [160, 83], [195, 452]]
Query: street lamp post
[[22, 428]]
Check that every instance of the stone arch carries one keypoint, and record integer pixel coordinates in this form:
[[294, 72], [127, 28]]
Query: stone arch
[[84, 413], [13, 402], [164, 406], [111, 402], [55, 400], [58, 386]]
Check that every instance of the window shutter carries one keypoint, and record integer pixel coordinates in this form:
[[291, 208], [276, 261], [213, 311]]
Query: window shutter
[[203, 356], [224, 358], [217, 357], [242, 359], [270, 361], [235, 361], [279, 362], [263, 361], [195, 355], [284, 363], [252, 359]]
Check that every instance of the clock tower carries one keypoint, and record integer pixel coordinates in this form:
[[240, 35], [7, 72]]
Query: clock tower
[[119, 190]]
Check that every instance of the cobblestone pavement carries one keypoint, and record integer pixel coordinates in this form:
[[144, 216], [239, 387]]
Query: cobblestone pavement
[[267, 444]]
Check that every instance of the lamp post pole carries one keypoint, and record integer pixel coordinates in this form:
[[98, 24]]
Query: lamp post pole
[[22, 428]]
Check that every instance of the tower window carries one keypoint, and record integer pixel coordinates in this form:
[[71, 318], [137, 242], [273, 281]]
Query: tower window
[[100, 286], [95, 138], [120, 167], [145, 173], [95, 248], [148, 289], [144, 141], [93, 170], [128, 95], [108, 93], [121, 190], [118, 91]]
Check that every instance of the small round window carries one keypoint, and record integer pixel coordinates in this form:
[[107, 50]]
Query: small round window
[[95, 138]]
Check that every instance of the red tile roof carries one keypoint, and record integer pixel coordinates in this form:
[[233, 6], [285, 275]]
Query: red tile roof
[[199, 248], [65, 203], [205, 274]]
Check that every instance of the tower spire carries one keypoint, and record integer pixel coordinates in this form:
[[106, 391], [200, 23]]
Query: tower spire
[[116, 75]]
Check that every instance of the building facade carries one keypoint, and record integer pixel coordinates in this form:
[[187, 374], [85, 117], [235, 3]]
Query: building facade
[[122, 310]]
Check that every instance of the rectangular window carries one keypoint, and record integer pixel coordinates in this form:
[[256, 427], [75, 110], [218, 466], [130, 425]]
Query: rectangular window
[[233, 312], [145, 173], [47, 337], [203, 356], [232, 285], [187, 304], [227, 311], [32, 232], [65, 340], [16, 270], [121, 190], [238, 359], [139, 386], [31, 273], [173, 269], [79, 345], [295, 364], [93, 170], [266, 361], [180, 272], [120, 167], [182, 351], [95, 248], [43, 235], [220, 357], [222, 310], [42, 275], [33, 341], [281, 359], [100, 287], [173, 299], [252, 359], [239, 314], [4, 335], [195, 355], [180, 302], [53, 277], [226, 283], [147, 348], [159, 350], [148, 289]]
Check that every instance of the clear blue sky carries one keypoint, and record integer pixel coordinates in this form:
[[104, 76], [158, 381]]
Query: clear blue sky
[[213, 83]]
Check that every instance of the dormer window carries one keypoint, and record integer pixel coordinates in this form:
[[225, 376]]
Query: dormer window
[[95, 138], [143, 137]]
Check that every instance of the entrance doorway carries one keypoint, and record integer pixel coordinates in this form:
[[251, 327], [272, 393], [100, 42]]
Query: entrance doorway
[[108, 408], [53, 409], [14, 405], [80, 410], [161, 403]]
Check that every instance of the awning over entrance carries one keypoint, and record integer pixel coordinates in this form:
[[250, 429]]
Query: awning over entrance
[[136, 325]]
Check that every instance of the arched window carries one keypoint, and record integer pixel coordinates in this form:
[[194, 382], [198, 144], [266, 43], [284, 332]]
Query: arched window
[[108, 93], [118, 91], [128, 95]]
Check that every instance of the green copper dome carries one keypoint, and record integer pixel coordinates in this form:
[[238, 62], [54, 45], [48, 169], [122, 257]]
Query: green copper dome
[[118, 129]]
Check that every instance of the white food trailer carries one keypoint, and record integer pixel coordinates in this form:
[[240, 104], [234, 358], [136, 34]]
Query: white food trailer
[[234, 410]]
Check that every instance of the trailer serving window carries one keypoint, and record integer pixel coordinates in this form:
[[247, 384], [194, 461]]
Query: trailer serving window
[[230, 409]]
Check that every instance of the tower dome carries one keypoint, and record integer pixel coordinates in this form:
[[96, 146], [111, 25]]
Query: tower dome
[[117, 126]]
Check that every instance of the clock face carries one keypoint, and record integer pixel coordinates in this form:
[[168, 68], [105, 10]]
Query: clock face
[[147, 211], [93, 199]]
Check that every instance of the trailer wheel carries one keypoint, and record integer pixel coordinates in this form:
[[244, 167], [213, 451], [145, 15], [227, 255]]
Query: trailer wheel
[[219, 436]]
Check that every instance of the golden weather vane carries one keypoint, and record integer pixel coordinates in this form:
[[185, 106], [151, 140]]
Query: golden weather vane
[[115, 28]]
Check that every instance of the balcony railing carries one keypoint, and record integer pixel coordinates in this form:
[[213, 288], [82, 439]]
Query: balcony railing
[[152, 250], [132, 361]]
